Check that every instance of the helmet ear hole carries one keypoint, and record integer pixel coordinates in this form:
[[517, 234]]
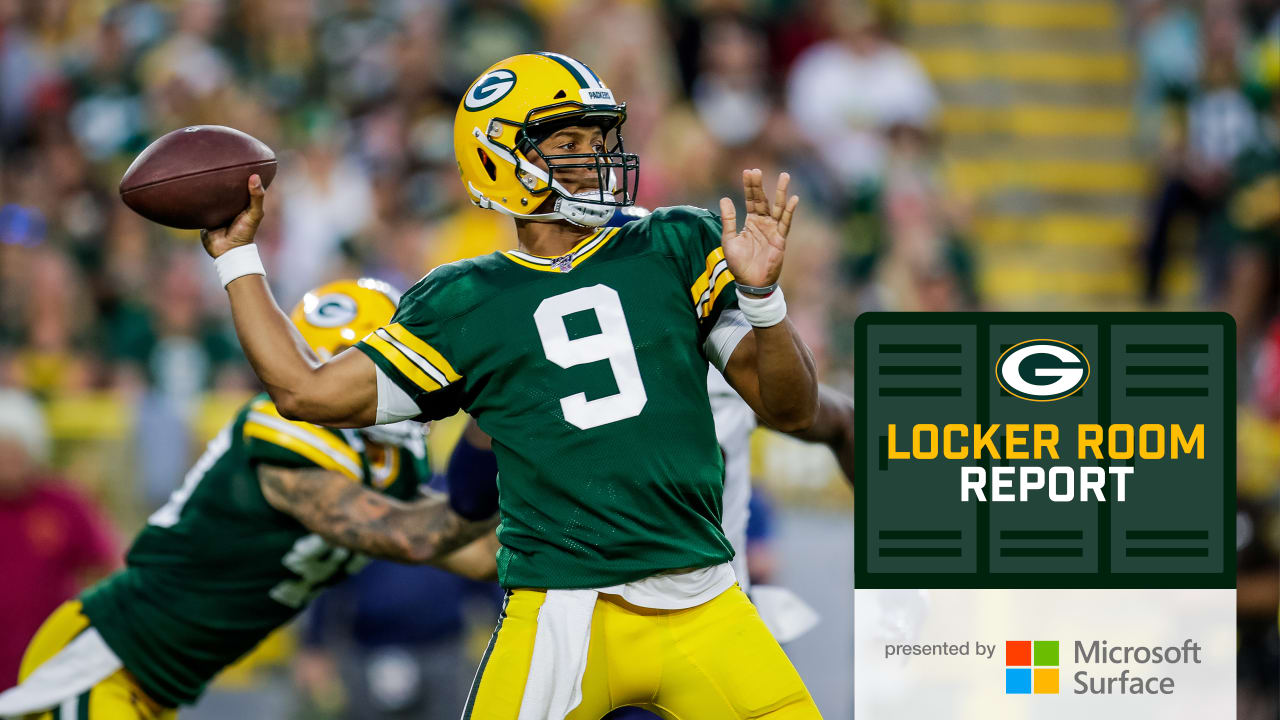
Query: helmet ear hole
[[489, 167], [559, 95]]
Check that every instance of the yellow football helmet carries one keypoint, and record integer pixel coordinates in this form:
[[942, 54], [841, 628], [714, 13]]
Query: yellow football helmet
[[518, 102], [335, 316]]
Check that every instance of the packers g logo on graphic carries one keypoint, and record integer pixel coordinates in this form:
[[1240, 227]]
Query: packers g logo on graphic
[[1023, 368], [489, 89], [331, 310]]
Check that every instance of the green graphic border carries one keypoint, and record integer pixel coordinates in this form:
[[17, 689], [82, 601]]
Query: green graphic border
[[1104, 578]]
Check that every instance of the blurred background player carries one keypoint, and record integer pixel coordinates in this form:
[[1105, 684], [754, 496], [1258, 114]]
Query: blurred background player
[[244, 545]]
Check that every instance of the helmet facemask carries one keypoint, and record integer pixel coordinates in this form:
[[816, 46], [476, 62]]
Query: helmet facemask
[[617, 172]]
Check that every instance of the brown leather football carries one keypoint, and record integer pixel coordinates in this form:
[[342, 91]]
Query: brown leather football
[[196, 177]]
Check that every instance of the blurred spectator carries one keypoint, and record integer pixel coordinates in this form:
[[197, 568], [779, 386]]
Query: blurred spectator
[[1213, 123], [326, 199], [844, 92], [55, 541], [1266, 381], [1251, 230], [630, 46], [480, 33], [53, 310], [924, 226], [389, 643], [106, 114], [186, 73], [730, 94], [1168, 50], [865, 108]]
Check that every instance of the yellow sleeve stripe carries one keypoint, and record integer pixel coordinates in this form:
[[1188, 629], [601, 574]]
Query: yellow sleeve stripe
[[397, 358], [262, 427], [425, 351], [704, 280], [268, 415], [721, 281], [265, 411], [711, 283]]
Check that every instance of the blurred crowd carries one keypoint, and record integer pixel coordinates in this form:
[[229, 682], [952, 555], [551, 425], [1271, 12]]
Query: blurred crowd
[[1209, 113], [124, 319], [357, 97]]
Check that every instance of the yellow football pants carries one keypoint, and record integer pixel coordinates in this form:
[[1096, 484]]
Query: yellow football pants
[[117, 698], [716, 661]]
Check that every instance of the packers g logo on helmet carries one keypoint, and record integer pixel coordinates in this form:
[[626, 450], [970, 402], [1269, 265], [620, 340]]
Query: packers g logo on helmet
[[489, 89], [337, 315], [520, 101], [331, 310], [1060, 362]]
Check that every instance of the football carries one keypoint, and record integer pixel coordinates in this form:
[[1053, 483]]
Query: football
[[196, 177]]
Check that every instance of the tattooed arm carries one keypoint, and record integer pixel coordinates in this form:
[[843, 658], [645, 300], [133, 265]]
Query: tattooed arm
[[353, 516]]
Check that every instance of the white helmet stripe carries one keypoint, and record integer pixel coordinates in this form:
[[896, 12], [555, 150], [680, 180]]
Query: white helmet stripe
[[592, 81]]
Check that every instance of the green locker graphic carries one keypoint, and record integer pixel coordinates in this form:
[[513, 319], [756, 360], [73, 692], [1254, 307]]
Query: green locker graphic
[[1175, 527]]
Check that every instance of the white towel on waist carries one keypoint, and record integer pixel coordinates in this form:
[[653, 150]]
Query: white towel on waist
[[554, 684], [83, 663]]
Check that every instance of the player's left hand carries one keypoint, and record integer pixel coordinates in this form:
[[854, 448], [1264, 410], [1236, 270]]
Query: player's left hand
[[754, 255]]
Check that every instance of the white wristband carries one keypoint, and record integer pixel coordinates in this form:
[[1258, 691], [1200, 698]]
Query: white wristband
[[764, 311], [238, 262]]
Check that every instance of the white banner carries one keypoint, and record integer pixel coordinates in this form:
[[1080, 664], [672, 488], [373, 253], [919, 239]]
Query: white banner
[[966, 654]]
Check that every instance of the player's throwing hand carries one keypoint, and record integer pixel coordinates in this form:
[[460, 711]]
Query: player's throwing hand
[[242, 229], [754, 255]]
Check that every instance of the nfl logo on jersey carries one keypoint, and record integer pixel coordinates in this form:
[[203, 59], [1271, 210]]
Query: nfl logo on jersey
[[564, 263]]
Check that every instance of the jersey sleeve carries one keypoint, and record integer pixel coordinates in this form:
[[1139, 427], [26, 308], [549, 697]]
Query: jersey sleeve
[[692, 237], [270, 439], [412, 353], [701, 258]]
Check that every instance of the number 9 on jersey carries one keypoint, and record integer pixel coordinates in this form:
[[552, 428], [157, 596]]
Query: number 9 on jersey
[[613, 343]]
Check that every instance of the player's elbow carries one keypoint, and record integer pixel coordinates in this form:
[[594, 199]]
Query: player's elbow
[[288, 404], [796, 419], [792, 426], [306, 407]]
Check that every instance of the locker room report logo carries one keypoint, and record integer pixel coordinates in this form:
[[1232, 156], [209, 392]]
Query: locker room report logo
[[1074, 450]]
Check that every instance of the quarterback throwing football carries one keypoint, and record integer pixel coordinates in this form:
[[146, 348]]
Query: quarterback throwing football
[[584, 355]]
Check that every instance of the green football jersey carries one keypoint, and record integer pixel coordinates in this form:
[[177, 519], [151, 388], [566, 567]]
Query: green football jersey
[[218, 568], [589, 371]]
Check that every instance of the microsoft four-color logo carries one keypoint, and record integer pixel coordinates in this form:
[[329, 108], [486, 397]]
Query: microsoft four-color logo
[[1030, 671]]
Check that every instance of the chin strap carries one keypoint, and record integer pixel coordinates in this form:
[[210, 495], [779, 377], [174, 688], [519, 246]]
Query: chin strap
[[584, 214], [566, 209]]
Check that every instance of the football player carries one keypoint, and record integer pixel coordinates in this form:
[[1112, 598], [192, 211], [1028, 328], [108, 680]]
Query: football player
[[583, 354], [271, 513]]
